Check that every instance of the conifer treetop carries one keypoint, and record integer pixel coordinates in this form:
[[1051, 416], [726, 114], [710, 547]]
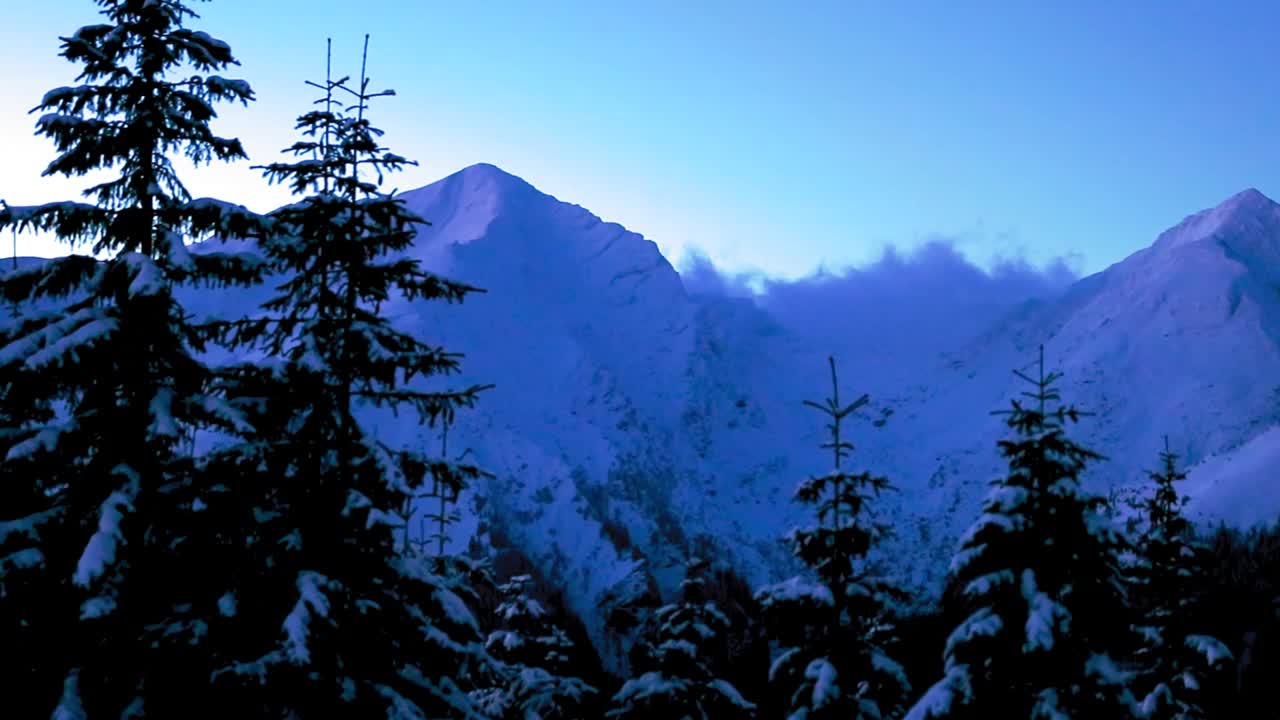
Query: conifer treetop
[[1037, 579], [340, 249], [831, 662], [844, 531], [831, 408], [1175, 659], [1163, 507], [368, 625], [1049, 415], [130, 112]]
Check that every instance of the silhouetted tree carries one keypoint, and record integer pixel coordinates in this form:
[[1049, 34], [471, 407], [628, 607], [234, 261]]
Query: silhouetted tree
[[832, 633], [1176, 660], [98, 476], [1040, 582], [358, 628]]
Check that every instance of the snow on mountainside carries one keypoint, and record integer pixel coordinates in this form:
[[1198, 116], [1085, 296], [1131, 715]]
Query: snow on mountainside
[[675, 420], [633, 421]]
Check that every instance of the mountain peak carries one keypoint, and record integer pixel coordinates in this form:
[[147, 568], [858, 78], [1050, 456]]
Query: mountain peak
[[491, 172], [485, 178], [1247, 200], [463, 204], [1244, 212]]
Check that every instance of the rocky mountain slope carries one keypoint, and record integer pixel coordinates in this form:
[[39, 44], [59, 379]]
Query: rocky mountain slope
[[633, 421]]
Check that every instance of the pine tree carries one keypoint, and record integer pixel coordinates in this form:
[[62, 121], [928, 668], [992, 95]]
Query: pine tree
[[108, 360], [534, 678], [681, 662], [832, 633], [1175, 661], [334, 620], [1039, 583]]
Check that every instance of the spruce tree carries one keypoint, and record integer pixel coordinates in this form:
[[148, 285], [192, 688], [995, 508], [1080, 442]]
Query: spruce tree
[[832, 633], [535, 659], [107, 359], [1039, 583], [1175, 662], [680, 662], [334, 620]]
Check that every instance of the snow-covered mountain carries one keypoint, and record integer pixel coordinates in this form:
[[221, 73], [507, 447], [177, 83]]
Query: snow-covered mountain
[[633, 421]]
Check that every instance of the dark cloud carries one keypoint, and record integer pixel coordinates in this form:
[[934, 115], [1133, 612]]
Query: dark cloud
[[920, 302]]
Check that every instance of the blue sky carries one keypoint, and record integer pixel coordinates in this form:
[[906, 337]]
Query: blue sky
[[775, 136]]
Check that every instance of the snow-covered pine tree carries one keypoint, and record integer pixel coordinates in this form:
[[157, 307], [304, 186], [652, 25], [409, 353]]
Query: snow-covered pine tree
[[1039, 583], [342, 623], [1176, 659], [679, 662], [534, 663], [831, 633], [113, 627]]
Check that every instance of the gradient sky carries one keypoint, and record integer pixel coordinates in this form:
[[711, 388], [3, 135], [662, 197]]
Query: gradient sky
[[775, 136]]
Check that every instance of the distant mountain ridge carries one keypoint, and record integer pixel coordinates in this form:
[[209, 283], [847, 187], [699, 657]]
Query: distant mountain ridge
[[634, 422]]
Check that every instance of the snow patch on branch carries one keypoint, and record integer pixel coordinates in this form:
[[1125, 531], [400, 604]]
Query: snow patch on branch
[[25, 526], [311, 602], [69, 705], [84, 336], [227, 604], [100, 552], [826, 688], [179, 255], [1106, 670], [984, 584], [162, 422], [21, 560], [982, 623], [1044, 615], [97, 607], [1047, 707], [148, 278], [57, 338], [1213, 650], [941, 700], [731, 694], [794, 590]]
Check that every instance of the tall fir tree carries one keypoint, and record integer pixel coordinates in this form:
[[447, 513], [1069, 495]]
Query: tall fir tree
[[333, 618], [681, 661], [1176, 661], [832, 633], [1039, 583], [108, 359]]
